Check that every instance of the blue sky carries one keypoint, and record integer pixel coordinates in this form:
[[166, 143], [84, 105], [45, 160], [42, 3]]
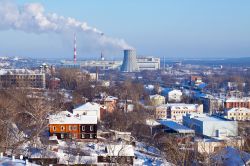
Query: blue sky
[[170, 28]]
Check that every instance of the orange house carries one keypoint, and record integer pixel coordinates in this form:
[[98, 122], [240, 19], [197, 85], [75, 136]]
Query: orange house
[[65, 125]]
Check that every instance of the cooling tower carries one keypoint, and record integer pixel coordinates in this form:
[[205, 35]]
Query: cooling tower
[[129, 63]]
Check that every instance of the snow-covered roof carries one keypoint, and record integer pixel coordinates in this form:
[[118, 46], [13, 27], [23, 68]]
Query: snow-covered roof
[[234, 99], [243, 110], [152, 122], [205, 117], [110, 98], [66, 117], [149, 87], [176, 126], [230, 156], [156, 96], [179, 106], [176, 91], [18, 71], [89, 106]]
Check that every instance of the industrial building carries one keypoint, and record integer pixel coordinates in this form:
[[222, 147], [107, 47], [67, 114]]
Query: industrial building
[[210, 126], [101, 64], [148, 63], [129, 63]]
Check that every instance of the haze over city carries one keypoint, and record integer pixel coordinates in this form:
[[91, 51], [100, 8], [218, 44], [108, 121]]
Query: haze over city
[[174, 29]]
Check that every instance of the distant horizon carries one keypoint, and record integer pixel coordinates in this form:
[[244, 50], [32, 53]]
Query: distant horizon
[[174, 29], [121, 58]]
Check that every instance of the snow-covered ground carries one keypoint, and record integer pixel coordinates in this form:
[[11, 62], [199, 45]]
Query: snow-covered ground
[[7, 161], [72, 152], [148, 155]]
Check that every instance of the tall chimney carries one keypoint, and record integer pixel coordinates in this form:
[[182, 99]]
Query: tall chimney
[[75, 48]]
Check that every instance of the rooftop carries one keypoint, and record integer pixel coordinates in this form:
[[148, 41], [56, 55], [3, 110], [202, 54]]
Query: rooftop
[[179, 106], [243, 109], [66, 117], [234, 99], [18, 71], [176, 126], [89, 106], [205, 117]]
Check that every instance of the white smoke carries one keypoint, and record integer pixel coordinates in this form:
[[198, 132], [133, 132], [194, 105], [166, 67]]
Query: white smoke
[[31, 18]]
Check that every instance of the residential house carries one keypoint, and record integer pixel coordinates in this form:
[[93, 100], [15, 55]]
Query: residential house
[[66, 125], [110, 103], [157, 100], [174, 95], [117, 154], [91, 108]]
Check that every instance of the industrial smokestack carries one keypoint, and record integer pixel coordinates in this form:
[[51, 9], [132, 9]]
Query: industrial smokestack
[[129, 61], [74, 48]]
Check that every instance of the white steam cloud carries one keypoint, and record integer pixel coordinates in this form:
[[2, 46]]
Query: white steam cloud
[[31, 18]]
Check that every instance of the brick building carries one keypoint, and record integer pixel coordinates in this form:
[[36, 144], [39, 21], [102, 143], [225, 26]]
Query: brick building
[[237, 103], [66, 125]]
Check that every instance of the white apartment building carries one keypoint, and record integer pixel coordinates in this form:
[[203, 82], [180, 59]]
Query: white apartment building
[[175, 111]]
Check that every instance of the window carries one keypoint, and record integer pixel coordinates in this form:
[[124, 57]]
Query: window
[[74, 135], [83, 128], [54, 128], [62, 128], [90, 135], [62, 136], [91, 128], [70, 136], [75, 127], [83, 135], [70, 128]]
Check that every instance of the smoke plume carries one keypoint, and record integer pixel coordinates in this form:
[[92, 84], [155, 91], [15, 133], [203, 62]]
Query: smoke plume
[[31, 18]]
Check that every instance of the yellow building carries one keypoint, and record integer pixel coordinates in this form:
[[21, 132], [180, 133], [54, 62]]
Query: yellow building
[[240, 114], [157, 100]]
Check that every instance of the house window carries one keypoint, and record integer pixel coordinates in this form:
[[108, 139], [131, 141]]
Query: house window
[[62, 136], [75, 128], [54, 128], [70, 136], [83, 128], [83, 135], [90, 135], [62, 128], [74, 135], [91, 128], [70, 128]]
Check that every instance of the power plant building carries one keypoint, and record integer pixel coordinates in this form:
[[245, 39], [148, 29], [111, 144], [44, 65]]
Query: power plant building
[[129, 63], [148, 63]]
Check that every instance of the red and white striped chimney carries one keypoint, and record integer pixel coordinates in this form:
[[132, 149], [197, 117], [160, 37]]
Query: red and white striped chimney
[[74, 48]]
